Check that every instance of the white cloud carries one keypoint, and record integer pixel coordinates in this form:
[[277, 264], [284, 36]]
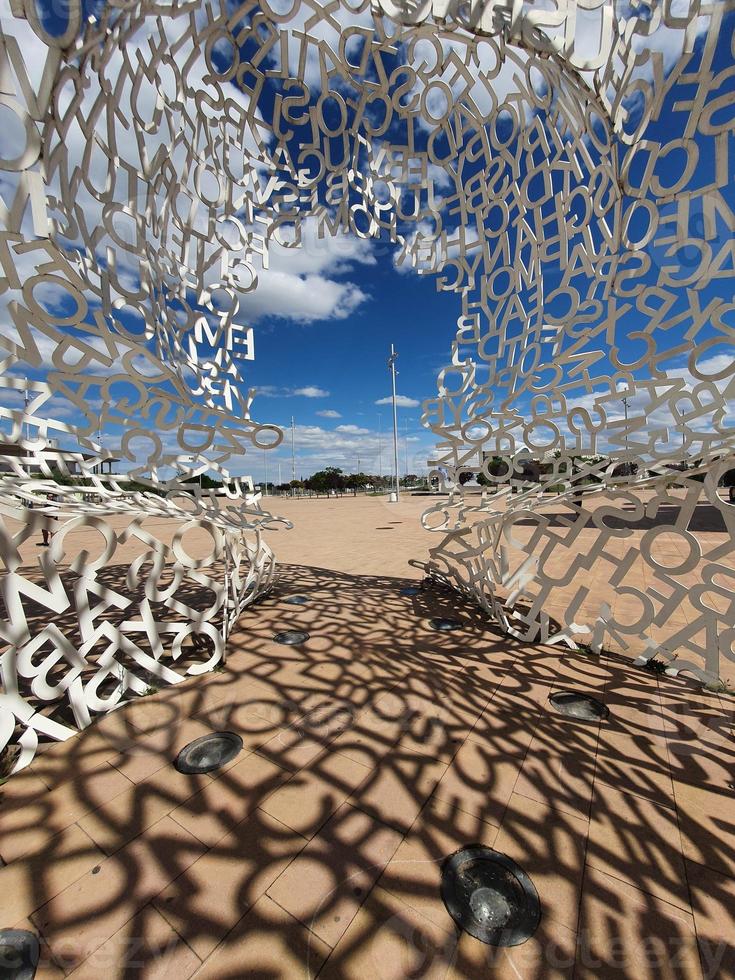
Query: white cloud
[[317, 447], [305, 299], [308, 391], [329, 413], [312, 392], [402, 401], [300, 282]]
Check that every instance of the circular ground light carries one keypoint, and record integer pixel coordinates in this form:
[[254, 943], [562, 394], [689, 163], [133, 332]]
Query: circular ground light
[[19, 951], [411, 590], [291, 638], [489, 896], [445, 623], [208, 753], [296, 600], [575, 704]]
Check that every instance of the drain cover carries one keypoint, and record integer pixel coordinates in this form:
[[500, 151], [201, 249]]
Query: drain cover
[[19, 952], [411, 590], [578, 705], [291, 638], [208, 752], [296, 600], [489, 896], [445, 623]]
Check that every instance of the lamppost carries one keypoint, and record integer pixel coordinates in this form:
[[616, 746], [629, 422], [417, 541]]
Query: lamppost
[[392, 367], [293, 457], [380, 446]]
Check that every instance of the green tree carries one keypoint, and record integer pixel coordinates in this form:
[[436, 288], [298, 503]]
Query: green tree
[[327, 479]]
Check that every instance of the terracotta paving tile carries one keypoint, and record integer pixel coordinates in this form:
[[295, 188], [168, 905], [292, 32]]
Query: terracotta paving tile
[[25, 787], [413, 874], [634, 711], [146, 946], [559, 767], [639, 842], [507, 721], [30, 882], [83, 916], [61, 762], [313, 794], [328, 881], [713, 906], [396, 790], [272, 944], [626, 933], [701, 741], [324, 716], [481, 778], [154, 714], [390, 940], [635, 765], [368, 741], [140, 807], [212, 894], [707, 824], [150, 753], [549, 954], [292, 749], [253, 711], [550, 847], [439, 720], [227, 799], [27, 829], [196, 693]]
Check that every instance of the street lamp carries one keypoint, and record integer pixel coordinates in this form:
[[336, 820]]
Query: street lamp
[[293, 457], [380, 446], [392, 368]]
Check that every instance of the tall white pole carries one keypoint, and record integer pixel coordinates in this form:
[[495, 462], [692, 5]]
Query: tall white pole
[[265, 466], [26, 427], [293, 453], [392, 366], [380, 446]]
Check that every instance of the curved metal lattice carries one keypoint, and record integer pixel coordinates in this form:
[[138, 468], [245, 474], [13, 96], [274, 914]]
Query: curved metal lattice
[[563, 170]]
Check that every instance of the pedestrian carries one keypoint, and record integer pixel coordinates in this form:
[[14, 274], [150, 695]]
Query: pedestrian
[[47, 534]]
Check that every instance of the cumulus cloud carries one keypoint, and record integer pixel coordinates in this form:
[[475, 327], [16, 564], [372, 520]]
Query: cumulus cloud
[[343, 446], [402, 401], [301, 281], [308, 391], [329, 413], [312, 392]]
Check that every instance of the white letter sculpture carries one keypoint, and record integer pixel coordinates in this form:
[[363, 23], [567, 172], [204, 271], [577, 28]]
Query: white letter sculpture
[[565, 169]]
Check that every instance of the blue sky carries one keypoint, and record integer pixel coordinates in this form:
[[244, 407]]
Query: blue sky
[[341, 362]]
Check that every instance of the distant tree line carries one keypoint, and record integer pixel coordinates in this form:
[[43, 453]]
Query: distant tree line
[[332, 478]]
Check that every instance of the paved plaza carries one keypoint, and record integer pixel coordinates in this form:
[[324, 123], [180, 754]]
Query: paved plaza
[[370, 753]]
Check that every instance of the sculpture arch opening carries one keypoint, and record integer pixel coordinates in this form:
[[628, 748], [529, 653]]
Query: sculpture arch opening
[[550, 167]]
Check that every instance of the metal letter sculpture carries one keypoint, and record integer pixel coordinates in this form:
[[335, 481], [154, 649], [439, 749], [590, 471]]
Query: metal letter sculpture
[[564, 168]]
